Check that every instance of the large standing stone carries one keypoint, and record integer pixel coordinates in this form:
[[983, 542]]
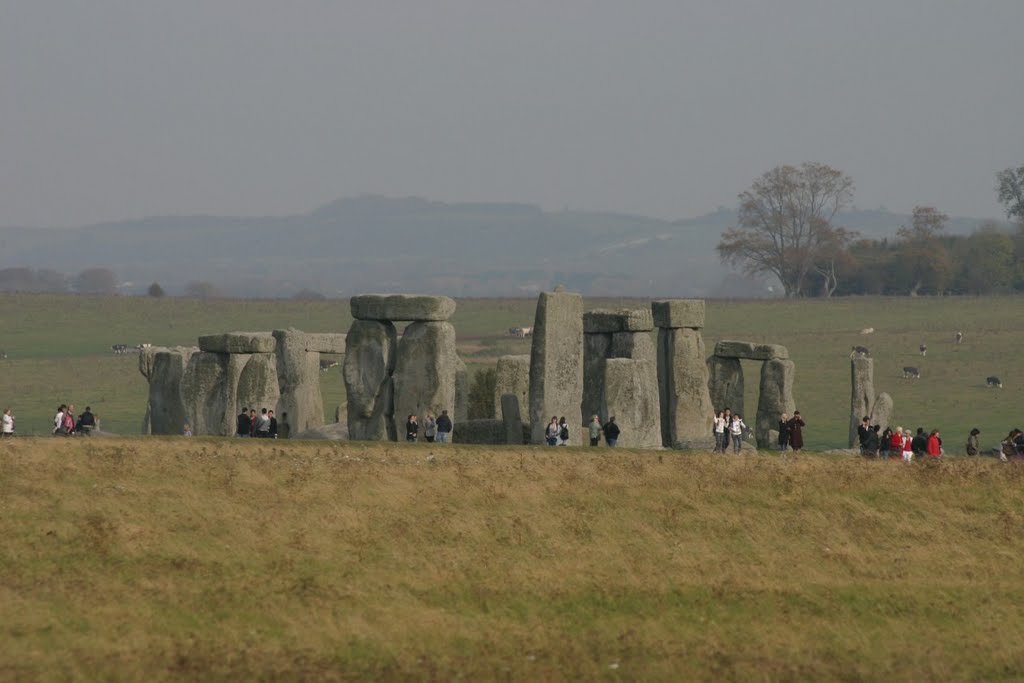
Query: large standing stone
[[401, 307], [512, 417], [774, 399], [630, 397], [238, 342], [298, 376], [425, 370], [215, 386], [604, 321], [369, 364], [750, 351], [512, 377], [635, 345], [726, 383], [461, 390], [256, 386], [596, 351], [556, 362], [323, 342], [678, 313], [687, 414], [165, 409], [862, 394], [882, 411]]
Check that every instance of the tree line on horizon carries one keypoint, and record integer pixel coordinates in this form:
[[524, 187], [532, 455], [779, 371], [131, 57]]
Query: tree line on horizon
[[786, 229]]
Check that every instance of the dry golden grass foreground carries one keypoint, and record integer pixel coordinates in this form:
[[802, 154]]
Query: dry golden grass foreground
[[220, 559]]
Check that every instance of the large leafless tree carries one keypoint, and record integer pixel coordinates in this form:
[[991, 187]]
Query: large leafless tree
[[785, 225]]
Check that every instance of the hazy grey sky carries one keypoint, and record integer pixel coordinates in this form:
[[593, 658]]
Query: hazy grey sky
[[117, 109]]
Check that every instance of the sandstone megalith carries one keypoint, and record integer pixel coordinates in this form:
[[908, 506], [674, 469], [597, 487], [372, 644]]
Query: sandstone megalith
[[631, 397], [862, 394], [512, 377], [298, 376], [164, 369], [369, 364], [425, 370], [556, 362], [686, 410], [774, 399], [512, 418], [726, 383], [402, 307]]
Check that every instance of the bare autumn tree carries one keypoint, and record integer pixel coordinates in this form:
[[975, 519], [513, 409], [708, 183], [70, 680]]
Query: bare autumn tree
[[785, 225], [923, 255], [1010, 189]]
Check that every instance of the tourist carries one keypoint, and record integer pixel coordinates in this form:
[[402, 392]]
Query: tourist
[[784, 432], [263, 425], [908, 446], [796, 431], [272, 427], [719, 432], [551, 433], [252, 422], [973, 447], [595, 430], [934, 444], [243, 424], [563, 432], [430, 428], [870, 445], [8, 424], [86, 422], [58, 419], [186, 430], [444, 427], [919, 444], [412, 429], [885, 443], [284, 430], [862, 430], [611, 432], [736, 429], [68, 428]]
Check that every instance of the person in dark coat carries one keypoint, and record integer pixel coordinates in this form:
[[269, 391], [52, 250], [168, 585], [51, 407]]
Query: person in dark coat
[[796, 431], [919, 444], [783, 432], [272, 430], [412, 429], [243, 424], [862, 430], [869, 446], [611, 432]]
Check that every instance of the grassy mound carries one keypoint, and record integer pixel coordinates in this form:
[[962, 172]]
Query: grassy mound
[[197, 558]]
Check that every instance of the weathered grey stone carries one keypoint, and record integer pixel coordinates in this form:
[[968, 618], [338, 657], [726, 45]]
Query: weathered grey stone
[[238, 342], [414, 307], [631, 397], [775, 398], [686, 410], [677, 313], [324, 342], [147, 356], [461, 391], [862, 394], [298, 376], [726, 384], [425, 370], [635, 345], [596, 351], [215, 386], [165, 408], [556, 361], [750, 351], [369, 363], [512, 418], [882, 411], [336, 431], [608, 321], [513, 377], [489, 432]]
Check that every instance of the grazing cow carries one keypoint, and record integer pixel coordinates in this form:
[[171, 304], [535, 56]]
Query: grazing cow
[[959, 337], [520, 332], [527, 331], [143, 346], [859, 351], [910, 372], [868, 330], [994, 381], [3, 355], [119, 349], [923, 348], [326, 365]]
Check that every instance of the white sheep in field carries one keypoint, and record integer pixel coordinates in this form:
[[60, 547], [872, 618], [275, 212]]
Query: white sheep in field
[[867, 330]]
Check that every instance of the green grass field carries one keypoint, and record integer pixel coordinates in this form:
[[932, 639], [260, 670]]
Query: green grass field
[[218, 559], [59, 351]]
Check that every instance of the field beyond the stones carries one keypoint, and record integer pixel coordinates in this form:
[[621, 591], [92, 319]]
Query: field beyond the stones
[[200, 559], [59, 351]]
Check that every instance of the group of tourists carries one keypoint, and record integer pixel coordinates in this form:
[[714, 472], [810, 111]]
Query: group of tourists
[[899, 443], [65, 423], [609, 430], [730, 428], [262, 426], [437, 430]]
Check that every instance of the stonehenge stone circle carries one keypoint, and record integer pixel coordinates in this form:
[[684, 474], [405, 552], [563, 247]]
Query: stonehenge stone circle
[[775, 397], [556, 362], [686, 410], [402, 307], [630, 398], [726, 384], [512, 377], [424, 375], [217, 385], [369, 364]]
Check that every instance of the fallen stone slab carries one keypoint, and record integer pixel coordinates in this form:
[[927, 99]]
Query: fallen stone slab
[[402, 307], [238, 342], [751, 351], [678, 313], [608, 321]]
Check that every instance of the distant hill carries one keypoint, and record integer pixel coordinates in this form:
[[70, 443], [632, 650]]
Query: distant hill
[[371, 243]]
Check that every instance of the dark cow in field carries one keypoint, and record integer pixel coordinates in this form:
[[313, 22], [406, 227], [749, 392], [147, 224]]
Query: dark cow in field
[[119, 349], [923, 348], [910, 372], [326, 365], [859, 351], [993, 381]]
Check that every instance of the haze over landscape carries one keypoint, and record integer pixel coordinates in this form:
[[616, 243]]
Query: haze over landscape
[[596, 144]]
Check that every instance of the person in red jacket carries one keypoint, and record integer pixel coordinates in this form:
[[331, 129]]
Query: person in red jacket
[[934, 444], [896, 443]]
